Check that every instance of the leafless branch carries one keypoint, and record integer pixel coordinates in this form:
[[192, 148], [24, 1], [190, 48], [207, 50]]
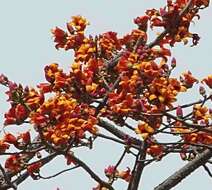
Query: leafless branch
[[207, 170], [181, 174], [55, 175], [7, 179], [118, 133], [138, 169], [91, 173]]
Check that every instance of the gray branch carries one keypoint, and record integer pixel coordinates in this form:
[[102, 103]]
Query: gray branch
[[181, 174]]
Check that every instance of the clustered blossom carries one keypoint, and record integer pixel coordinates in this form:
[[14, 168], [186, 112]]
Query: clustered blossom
[[144, 130], [14, 163], [201, 113], [23, 101], [61, 118], [170, 17], [114, 77], [75, 35], [109, 44]]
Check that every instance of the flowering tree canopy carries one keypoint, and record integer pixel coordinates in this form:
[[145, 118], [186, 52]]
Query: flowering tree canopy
[[113, 80]]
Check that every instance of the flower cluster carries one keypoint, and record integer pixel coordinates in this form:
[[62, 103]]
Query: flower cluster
[[118, 78], [144, 130], [109, 44], [14, 163], [61, 118], [75, 35], [202, 114], [23, 101], [56, 77], [164, 91], [199, 138], [174, 22]]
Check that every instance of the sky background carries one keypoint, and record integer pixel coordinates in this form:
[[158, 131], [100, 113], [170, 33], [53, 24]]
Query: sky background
[[26, 46]]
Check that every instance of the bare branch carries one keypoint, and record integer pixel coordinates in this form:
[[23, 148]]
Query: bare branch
[[7, 179], [63, 171], [138, 169], [91, 173], [120, 134], [207, 170], [181, 174]]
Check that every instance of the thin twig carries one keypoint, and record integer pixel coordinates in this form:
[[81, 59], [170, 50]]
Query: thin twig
[[207, 170], [55, 175]]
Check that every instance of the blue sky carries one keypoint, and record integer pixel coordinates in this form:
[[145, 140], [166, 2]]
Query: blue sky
[[26, 46]]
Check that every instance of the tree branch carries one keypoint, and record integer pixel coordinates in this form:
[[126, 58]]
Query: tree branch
[[118, 133], [138, 169], [181, 174], [91, 173], [63, 171]]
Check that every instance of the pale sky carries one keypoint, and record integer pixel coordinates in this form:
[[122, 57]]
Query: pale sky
[[26, 46]]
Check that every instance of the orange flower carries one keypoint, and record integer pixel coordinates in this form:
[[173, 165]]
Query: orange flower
[[201, 113], [200, 3], [109, 43], [191, 138], [208, 81], [34, 168], [155, 150], [134, 36], [58, 79], [164, 91], [13, 163], [179, 128], [150, 69], [16, 115], [66, 119], [121, 103], [38, 119], [3, 146], [127, 61], [59, 37], [144, 130], [10, 138], [137, 33], [79, 23], [188, 80], [142, 22], [45, 87], [130, 84], [25, 137], [33, 99], [91, 88], [50, 71], [85, 51], [125, 175], [198, 137]]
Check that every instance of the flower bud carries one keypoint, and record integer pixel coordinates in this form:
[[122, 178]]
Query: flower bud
[[202, 90], [173, 62], [179, 112], [3, 79]]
